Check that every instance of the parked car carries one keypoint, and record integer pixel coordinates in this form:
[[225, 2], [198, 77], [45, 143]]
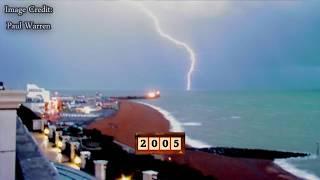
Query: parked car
[[1, 86]]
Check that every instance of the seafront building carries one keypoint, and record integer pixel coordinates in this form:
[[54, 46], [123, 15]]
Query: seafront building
[[35, 93], [9, 102], [19, 153], [37, 149], [37, 98]]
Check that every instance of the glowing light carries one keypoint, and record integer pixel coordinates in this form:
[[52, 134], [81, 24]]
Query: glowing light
[[87, 110], [151, 95], [123, 177], [46, 131], [59, 144], [77, 160], [163, 34], [57, 150]]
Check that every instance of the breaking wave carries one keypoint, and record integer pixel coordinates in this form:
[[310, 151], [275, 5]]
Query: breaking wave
[[286, 165], [192, 124], [176, 126]]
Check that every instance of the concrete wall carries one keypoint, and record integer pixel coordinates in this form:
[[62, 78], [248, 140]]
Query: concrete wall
[[7, 144], [9, 102], [32, 164]]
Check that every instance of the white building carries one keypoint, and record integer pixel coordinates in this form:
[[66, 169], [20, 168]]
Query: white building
[[37, 98], [36, 93]]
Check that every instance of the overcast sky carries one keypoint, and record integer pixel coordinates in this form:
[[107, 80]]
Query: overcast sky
[[113, 45]]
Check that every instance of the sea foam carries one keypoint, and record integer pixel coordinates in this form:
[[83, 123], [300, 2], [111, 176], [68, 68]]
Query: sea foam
[[235, 117], [286, 165], [192, 124], [176, 126]]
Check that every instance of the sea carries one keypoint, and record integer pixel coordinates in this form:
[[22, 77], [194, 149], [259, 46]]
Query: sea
[[272, 120], [285, 121]]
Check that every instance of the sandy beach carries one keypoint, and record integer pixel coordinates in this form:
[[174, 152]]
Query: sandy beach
[[134, 117]]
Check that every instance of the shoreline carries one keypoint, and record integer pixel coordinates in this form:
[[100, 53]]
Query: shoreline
[[130, 119], [136, 117], [279, 158], [175, 126]]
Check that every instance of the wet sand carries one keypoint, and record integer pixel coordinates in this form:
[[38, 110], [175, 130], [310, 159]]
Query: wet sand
[[134, 117]]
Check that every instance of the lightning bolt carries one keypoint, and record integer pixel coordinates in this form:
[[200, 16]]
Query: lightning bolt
[[163, 34]]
